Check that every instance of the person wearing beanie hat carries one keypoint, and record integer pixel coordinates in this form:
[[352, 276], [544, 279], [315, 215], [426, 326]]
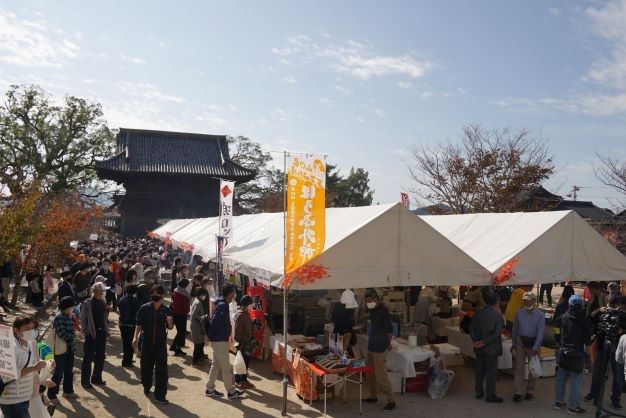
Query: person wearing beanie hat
[[486, 333], [64, 371], [243, 338], [575, 338], [526, 340]]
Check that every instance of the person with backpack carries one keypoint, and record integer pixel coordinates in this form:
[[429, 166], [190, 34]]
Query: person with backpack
[[63, 326], [17, 393]]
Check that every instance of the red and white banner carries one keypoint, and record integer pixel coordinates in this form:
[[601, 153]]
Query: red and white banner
[[405, 200], [227, 190], [257, 314]]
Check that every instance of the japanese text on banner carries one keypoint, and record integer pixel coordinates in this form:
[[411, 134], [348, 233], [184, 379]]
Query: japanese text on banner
[[306, 209], [227, 189], [8, 366]]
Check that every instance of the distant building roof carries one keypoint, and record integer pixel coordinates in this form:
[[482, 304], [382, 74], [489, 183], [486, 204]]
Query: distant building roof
[[161, 152], [586, 210], [438, 209]]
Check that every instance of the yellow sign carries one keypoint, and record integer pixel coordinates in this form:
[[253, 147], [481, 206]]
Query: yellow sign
[[306, 210]]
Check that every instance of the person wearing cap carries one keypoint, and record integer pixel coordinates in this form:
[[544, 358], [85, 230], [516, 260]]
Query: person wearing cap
[[243, 338], [486, 333], [93, 319], [526, 337], [64, 370], [379, 343], [575, 335]]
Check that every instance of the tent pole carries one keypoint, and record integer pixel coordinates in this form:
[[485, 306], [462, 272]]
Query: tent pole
[[285, 288]]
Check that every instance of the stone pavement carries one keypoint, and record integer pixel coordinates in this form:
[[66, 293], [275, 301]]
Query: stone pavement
[[123, 396]]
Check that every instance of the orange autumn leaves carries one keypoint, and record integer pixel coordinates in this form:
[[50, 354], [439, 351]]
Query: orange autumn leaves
[[506, 272]]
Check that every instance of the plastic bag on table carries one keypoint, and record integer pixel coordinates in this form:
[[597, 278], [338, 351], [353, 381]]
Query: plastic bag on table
[[439, 380], [239, 366], [534, 366]]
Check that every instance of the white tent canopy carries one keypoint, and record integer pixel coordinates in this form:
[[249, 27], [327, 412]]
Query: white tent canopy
[[370, 246], [551, 246], [387, 245]]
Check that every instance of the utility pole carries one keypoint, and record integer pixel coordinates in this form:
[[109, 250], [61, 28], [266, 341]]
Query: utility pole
[[573, 194]]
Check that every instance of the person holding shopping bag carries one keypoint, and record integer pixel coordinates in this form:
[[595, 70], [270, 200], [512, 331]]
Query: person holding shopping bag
[[243, 341]]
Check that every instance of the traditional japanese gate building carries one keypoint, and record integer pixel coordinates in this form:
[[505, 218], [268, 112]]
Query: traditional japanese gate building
[[168, 175]]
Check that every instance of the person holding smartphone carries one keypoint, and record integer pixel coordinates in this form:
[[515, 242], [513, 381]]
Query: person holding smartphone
[[153, 320]]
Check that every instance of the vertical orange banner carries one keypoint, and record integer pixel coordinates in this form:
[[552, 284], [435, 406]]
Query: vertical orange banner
[[306, 210]]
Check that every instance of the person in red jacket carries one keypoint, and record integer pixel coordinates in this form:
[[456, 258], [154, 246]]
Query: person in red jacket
[[180, 309]]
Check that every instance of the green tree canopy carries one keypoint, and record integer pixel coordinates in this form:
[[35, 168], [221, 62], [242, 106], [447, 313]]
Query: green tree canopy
[[52, 144]]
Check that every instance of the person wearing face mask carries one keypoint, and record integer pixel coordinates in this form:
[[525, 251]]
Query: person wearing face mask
[[617, 368], [65, 286], [379, 343], [180, 309], [93, 320], [64, 371], [218, 333], [129, 305], [17, 393], [153, 321], [198, 312], [526, 337]]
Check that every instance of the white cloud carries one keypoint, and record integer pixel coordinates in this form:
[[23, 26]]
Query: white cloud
[[343, 90], [32, 44], [290, 80], [327, 102], [357, 59], [462, 90], [148, 91], [554, 11], [405, 84], [134, 60]]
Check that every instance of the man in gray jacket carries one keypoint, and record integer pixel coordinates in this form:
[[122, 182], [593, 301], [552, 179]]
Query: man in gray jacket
[[486, 332]]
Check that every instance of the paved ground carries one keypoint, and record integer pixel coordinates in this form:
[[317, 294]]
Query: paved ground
[[123, 397]]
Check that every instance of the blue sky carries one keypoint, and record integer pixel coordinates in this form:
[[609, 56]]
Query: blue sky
[[357, 80]]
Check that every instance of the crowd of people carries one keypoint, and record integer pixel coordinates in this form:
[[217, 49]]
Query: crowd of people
[[579, 332], [122, 275]]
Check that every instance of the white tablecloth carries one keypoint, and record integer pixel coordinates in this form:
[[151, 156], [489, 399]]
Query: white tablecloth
[[401, 358]]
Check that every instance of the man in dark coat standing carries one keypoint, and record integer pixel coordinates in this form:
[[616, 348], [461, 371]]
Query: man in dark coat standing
[[486, 332]]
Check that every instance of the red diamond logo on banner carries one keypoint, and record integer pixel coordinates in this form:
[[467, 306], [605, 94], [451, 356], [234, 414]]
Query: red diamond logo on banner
[[226, 191]]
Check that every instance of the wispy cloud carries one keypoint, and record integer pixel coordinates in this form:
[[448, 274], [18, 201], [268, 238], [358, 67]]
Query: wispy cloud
[[327, 102], [290, 80], [353, 58], [134, 60], [405, 84], [554, 11], [30, 43], [148, 91]]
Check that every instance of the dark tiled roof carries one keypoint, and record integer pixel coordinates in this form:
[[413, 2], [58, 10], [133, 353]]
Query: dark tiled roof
[[586, 210], [172, 153]]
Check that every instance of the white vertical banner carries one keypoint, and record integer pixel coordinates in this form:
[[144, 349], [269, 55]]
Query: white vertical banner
[[227, 190], [8, 360]]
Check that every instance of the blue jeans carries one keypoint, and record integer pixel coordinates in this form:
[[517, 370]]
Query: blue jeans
[[575, 379], [16, 410], [64, 371]]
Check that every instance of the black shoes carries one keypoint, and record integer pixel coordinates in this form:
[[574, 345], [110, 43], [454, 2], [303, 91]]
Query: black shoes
[[99, 382], [528, 397], [236, 394], [389, 407], [480, 395], [559, 405], [616, 405], [493, 399], [161, 401], [213, 394], [517, 398]]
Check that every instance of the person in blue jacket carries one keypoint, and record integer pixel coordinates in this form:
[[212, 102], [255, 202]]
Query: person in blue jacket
[[219, 331]]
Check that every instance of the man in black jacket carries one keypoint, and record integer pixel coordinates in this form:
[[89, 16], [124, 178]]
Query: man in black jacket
[[486, 333], [129, 305]]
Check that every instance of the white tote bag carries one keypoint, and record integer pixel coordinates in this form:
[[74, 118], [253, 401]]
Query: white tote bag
[[534, 366], [239, 367]]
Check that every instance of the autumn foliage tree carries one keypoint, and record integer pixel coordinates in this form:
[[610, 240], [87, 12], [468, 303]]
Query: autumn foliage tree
[[485, 171]]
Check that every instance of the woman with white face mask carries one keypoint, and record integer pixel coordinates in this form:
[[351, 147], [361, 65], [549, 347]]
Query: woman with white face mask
[[17, 394]]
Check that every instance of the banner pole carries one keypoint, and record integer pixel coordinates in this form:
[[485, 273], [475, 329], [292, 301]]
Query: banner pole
[[285, 288]]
